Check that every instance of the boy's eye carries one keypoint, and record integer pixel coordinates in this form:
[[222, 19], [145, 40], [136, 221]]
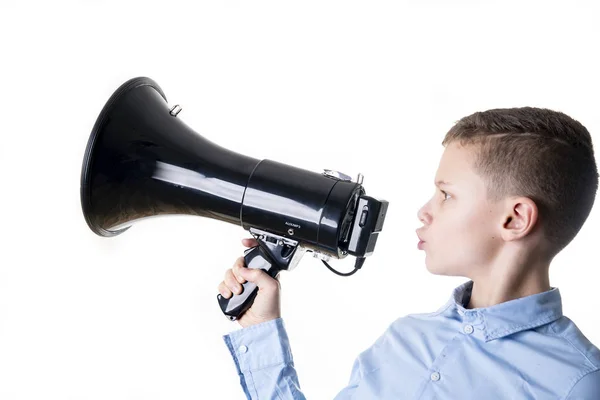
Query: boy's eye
[[445, 194]]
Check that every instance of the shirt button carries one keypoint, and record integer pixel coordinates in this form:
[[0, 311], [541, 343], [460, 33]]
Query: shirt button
[[435, 376], [468, 329], [243, 349]]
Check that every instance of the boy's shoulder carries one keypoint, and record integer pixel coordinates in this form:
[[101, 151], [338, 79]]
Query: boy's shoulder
[[423, 322], [567, 330], [563, 330]]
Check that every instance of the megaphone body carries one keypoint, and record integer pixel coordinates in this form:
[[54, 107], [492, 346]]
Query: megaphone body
[[143, 161]]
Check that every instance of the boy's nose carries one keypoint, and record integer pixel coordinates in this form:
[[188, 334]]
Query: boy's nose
[[424, 215]]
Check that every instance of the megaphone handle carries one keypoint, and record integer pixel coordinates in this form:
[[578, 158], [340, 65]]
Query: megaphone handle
[[238, 304]]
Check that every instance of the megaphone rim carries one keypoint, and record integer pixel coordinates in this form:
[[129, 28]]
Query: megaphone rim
[[97, 129]]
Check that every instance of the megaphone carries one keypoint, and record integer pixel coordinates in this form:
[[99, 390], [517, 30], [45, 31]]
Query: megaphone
[[143, 161]]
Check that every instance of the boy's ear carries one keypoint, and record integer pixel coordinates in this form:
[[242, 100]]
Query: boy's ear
[[520, 219]]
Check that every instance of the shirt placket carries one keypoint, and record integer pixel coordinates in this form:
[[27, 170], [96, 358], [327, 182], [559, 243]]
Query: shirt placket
[[431, 385]]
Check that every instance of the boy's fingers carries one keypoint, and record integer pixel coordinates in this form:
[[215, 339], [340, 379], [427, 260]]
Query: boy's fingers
[[260, 278], [224, 290], [237, 267], [249, 242], [232, 282]]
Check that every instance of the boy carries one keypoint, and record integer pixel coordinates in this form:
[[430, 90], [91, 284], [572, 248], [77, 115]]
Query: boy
[[514, 187]]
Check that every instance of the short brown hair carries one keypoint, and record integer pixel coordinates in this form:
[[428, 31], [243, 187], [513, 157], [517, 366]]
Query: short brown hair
[[542, 154]]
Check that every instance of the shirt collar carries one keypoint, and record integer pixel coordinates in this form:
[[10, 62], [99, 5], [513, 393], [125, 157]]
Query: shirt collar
[[512, 316]]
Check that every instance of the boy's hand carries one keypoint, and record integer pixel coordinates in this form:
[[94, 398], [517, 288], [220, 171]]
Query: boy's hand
[[266, 305]]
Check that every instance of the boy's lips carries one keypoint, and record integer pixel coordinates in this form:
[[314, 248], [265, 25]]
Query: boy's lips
[[421, 241]]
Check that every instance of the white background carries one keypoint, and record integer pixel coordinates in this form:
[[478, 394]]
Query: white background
[[366, 87]]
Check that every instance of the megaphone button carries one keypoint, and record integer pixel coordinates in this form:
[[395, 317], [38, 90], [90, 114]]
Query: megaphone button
[[175, 110], [363, 216]]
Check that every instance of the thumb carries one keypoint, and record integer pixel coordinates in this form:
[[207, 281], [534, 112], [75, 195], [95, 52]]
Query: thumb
[[258, 277]]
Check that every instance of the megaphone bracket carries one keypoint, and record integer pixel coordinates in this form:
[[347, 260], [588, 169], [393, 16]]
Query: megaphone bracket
[[272, 254]]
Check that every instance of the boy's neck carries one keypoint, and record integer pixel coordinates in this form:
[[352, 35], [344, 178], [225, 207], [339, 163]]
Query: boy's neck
[[503, 283]]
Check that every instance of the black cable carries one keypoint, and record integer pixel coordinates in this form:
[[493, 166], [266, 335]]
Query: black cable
[[357, 265]]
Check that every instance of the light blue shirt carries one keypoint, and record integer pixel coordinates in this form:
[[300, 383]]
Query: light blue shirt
[[520, 349]]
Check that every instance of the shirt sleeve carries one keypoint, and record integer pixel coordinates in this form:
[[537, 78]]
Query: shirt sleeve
[[587, 388], [264, 361], [367, 361], [355, 376]]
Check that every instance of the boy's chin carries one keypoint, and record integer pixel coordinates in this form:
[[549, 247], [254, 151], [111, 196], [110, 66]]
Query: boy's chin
[[443, 269]]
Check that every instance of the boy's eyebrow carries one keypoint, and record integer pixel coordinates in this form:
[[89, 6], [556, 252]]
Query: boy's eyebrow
[[442, 183]]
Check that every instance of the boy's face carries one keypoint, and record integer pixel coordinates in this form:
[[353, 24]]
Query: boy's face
[[460, 226]]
